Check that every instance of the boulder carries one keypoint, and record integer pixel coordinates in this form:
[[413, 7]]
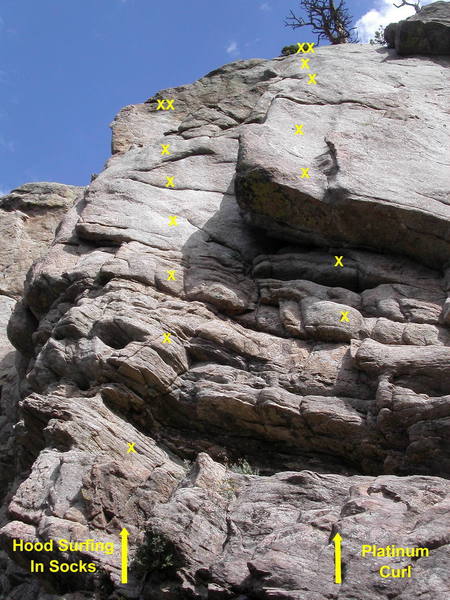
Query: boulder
[[426, 32]]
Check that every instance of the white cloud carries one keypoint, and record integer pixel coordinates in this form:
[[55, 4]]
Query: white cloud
[[232, 49], [265, 6], [384, 13]]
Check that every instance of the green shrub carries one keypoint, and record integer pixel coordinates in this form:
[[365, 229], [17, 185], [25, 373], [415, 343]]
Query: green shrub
[[228, 489], [104, 587], [378, 38], [289, 50], [244, 467], [156, 554]]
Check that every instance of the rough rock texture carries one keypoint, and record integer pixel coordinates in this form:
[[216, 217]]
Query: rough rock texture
[[210, 321], [29, 216], [426, 32]]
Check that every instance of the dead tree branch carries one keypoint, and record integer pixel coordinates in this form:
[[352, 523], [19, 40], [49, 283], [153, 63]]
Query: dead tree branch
[[415, 5], [326, 20]]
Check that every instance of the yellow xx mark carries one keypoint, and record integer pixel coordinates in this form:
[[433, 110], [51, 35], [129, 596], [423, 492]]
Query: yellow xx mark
[[310, 47], [161, 104]]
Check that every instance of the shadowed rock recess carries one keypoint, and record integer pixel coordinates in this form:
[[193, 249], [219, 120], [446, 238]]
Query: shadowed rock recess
[[346, 419]]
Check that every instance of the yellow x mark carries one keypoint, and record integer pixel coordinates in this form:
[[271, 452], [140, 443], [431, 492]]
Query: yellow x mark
[[170, 182], [309, 49], [131, 447], [344, 314], [166, 338], [338, 261], [171, 276], [305, 174], [165, 149], [299, 130], [312, 78], [173, 220], [162, 102], [305, 63]]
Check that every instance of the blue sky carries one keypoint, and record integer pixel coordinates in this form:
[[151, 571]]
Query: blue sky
[[68, 66]]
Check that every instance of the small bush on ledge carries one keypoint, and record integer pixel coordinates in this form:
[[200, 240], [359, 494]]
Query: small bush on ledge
[[243, 467], [156, 555], [289, 50]]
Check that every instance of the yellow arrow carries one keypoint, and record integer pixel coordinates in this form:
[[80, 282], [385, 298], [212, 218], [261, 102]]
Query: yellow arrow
[[337, 558], [124, 553]]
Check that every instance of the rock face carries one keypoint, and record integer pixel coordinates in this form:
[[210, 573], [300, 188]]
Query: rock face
[[426, 32], [29, 216], [206, 302]]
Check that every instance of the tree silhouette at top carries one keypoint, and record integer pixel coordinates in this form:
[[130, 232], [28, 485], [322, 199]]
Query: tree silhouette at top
[[328, 19], [415, 5]]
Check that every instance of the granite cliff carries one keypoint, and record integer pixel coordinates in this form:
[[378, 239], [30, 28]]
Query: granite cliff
[[237, 343]]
